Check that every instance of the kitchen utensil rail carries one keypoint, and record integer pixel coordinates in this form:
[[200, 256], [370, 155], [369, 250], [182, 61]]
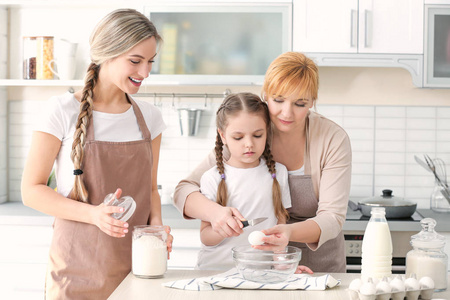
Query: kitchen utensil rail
[[184, 95]]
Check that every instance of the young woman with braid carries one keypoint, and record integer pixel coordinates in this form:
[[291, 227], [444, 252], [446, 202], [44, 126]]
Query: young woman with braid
[[249, 180], [102, 141]]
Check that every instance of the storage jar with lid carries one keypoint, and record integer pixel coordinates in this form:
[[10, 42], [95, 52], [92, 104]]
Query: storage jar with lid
[[149, 251], [428, 257], [44, 57], [29, 57]]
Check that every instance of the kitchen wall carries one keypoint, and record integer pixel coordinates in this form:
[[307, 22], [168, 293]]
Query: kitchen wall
[[388, 121], [3, 110]]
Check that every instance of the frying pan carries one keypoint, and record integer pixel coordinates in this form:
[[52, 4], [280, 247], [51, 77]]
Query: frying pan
[[395, 207]]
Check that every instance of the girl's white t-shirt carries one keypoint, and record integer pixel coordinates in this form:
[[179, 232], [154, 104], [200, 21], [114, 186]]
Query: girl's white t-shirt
[[59, 117], [250, 191]]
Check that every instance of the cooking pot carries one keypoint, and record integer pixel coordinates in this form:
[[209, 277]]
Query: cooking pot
[[395, 207]]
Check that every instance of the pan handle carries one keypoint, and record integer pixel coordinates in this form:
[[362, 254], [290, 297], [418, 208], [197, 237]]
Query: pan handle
[[353, 206]]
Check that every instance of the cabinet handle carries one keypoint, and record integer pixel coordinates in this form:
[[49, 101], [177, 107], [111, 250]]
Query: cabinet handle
[[353, 28], [368, 28]]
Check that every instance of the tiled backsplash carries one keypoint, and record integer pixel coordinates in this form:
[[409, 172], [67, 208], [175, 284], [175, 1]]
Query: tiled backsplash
[[384, 141]]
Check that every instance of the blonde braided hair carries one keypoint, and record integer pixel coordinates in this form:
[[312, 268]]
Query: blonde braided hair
[[114, 35]]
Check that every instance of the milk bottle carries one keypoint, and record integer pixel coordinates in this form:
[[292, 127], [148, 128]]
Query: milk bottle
[[377, 246]]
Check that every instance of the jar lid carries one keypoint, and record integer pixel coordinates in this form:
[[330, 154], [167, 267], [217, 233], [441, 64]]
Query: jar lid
[[127, 203], [428, 238]]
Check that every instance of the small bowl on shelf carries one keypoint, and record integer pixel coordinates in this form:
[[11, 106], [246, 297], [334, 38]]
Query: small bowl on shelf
[[266, 266]]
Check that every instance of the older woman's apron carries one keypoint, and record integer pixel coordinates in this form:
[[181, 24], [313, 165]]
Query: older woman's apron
[[330, 257], [85, 262]]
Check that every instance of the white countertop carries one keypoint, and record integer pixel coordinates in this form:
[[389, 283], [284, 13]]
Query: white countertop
[[137, 288]]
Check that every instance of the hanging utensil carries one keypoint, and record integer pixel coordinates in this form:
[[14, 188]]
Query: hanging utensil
[[445, 189], [422, 163], [432, 167]]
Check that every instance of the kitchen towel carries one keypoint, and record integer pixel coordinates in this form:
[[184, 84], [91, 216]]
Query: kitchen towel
[[233, 280]]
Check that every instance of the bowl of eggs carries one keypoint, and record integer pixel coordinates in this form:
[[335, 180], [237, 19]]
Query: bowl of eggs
[[266, 266]]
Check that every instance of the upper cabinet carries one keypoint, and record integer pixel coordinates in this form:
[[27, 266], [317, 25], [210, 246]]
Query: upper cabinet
[[364, 33], [208, 42], [220, 44], [364, 26]]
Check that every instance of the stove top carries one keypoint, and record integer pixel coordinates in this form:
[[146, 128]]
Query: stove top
[[358, 216]]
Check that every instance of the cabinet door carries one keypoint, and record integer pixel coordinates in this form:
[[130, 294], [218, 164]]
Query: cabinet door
[[325, 26], [391, 26]]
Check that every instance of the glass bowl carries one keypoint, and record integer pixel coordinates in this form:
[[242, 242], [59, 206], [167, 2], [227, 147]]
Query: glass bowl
[[266, 266]]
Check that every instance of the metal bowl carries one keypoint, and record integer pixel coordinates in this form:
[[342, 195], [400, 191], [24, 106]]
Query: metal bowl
[[266, 266]]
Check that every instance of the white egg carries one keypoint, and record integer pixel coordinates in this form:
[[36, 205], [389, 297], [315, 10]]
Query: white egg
[[383, 287], [397, 285], [355, 285], [255, 238], [412, 284], [368, 288], [426, 282]]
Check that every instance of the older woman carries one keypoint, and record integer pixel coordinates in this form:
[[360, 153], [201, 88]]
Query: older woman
[[317, 154]]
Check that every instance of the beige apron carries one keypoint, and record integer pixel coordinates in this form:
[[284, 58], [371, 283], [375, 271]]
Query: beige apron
[[330, 257], [85, 262]]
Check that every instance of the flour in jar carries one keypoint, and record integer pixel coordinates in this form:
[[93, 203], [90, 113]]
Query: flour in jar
[[149, 256]]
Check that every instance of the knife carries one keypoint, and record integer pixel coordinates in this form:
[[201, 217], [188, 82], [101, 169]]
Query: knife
[[253, 222]]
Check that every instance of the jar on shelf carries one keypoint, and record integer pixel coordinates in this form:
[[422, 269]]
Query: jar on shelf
[[29, 57], [428, 257], [149, 251], [44, 57]]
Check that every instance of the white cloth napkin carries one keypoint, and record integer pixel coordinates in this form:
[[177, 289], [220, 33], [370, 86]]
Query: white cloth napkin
[[233, 280]]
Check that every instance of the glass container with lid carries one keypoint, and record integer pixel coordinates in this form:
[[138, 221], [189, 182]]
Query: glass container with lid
[[44, 57], [29, 57], [428, 257], [149, 251]]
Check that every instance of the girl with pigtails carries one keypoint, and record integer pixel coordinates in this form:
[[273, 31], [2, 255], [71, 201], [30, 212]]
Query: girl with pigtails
[[250, 181], [101, 140]]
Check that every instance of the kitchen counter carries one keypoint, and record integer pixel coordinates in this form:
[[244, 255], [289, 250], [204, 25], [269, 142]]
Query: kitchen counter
[[136, 288]]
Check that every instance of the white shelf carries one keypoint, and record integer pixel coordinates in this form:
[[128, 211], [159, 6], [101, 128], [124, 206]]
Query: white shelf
[[33, 82]]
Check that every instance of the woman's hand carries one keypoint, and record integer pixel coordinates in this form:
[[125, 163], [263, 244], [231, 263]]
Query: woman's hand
[[169, 240], [226, 221], [277, 238], [101, 217], [303, 269]]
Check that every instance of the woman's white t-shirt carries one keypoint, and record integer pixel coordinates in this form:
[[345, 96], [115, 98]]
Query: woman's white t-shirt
[[250, 191], [59, 118]]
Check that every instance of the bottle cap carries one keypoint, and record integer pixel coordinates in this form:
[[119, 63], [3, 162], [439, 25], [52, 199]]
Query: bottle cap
[[428, 238]]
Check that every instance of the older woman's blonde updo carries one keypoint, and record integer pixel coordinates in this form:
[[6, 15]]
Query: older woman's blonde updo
[[291, 72]]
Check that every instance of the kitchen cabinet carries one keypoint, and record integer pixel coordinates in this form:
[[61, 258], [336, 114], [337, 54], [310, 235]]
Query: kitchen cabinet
[[361, 33], [364, 26], [207, 42]]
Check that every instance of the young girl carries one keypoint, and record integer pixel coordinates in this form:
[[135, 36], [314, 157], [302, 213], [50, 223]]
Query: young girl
[[101, 140], [249, 181]]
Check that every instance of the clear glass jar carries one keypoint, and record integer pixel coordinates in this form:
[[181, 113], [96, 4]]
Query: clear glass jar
[[44, 57], [29, 57], [438, 202], [149, 251], [428, 257]]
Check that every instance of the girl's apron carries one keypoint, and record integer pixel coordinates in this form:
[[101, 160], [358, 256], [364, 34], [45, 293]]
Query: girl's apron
[[330, 257], [85, 262]]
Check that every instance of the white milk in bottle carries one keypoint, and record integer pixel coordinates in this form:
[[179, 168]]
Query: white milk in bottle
[[377, 246]]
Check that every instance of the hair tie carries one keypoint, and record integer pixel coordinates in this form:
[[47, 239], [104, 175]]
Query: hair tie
[[77, 172], [222, 176], [274, 175]]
